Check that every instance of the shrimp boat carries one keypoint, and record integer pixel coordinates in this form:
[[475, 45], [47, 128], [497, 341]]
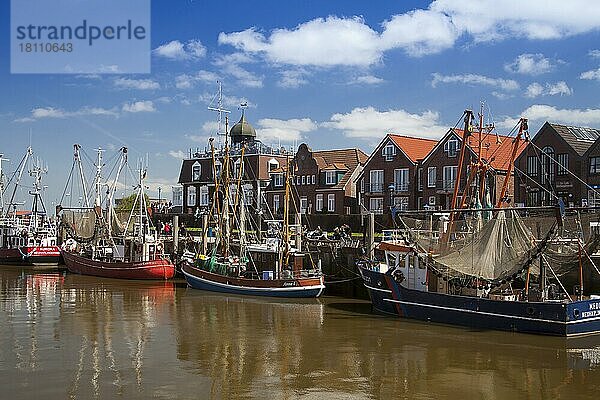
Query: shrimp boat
[[98, 244], [495, 276], [27, 238], [230, 265]]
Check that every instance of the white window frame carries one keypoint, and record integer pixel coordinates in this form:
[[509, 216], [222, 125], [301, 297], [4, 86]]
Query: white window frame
[[319, 202], [376, 205], [272, 164], [196, 171], [303, 204], [331, 202], [388, 152], [313, 180], [376, 185], [177, 196], [401, 179], [191, 196], [330, 177], [431, 176], [449, 178], [278, 180], [304, 179], [451, 151], [204, 198], [276, 203], [431, 201]]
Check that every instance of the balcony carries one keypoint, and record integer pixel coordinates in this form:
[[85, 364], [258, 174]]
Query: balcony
[[375, 188], [401, 187]]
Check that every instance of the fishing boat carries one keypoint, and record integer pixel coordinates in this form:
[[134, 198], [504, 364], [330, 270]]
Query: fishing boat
[[98, 244], [490, 274], [231, 266], [27, 238]]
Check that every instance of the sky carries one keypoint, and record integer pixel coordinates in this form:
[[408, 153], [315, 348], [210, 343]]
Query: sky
[[333, 74]]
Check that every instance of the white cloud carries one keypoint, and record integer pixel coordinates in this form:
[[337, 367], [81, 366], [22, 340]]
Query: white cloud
[[474, 79], [367, 80], [211, 127], [349, 41], [591, 75], [549, 89], [178, 154], [270, 130], [139, 106], [51, 112], [541, 112], [228, 101], [139, 84], [231, 65], [178, 51], [530, 64], [594, 53], [186, 81], [369, 123], [292, 78]]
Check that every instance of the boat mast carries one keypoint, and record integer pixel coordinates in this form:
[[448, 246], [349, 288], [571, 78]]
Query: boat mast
[[98, 179], [22, 165], [463, 149], [517, 142], [286, 214], [36, 173], [113, 189], [2, 184], [77, 160]]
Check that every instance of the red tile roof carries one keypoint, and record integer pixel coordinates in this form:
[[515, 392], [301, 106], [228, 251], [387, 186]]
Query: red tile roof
[[415, 148], [495, 149]]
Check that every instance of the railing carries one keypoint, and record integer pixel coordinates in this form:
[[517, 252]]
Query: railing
[[375, 188], [401, 187]]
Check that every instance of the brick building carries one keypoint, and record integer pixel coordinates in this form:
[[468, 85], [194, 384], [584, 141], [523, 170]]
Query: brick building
[[323, 182], [547, 165], [390, 175]]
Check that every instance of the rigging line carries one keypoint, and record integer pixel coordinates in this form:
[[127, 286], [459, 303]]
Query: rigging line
[[536, 182], [591, 261], [555, 277], [544, 173]]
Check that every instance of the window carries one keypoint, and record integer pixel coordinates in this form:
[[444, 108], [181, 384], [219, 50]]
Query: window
[[420, 179], [304, 179], [593, 198], [376, 205], [298, 180], [450, 172], [419, 203], [401, 180], [533, 198], [177, 192], [276, 204], [278, 180], [218, 168], [330, 178], [313, 179], [196, 169], [388, 152], [362, 185], [401, 203], [204, 200], [431, 201], [431, 176], [303, 204], [331, 202], [563, 164], [319, 202], [451, 147], [547, 164], [272, 164], [248, 194], [594, 165], [532, 166], [238, 169], [376, 181], [191, 196]]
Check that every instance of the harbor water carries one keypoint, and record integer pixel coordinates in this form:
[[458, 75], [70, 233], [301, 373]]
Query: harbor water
[[66, 336]]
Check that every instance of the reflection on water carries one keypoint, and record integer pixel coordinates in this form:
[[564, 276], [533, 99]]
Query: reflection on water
[[70, 336]]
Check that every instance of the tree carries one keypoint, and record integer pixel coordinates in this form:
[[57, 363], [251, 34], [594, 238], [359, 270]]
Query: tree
[[127, 203]]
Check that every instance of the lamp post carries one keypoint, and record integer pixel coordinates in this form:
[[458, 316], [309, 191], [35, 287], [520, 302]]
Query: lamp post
[[391, 189]]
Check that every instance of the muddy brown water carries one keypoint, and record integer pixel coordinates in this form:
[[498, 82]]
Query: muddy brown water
[[66, 336]]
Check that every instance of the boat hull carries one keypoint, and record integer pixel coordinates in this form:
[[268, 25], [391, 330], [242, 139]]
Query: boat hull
[[292, 288], [547, 318], [35, 257], [152, 270]]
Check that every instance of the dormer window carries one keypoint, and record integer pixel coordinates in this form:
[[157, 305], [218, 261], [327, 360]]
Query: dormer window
[[196, 171], [451, 147], [330, 177], [388, 152], [272, 164]]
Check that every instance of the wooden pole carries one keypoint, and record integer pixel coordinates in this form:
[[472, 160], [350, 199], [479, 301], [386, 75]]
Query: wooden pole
[[580, 272], [371, 236]]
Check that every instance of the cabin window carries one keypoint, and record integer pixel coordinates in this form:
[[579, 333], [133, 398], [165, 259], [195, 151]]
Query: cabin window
[[196, 170], [451, 147], [330, 178], [319, 203], [594, 165], [376, 205], [563, 164], [191, 196], [388, 152], [331, 202], [431, 176]]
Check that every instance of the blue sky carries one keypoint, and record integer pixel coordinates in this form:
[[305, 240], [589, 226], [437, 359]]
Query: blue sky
[[330, 73]]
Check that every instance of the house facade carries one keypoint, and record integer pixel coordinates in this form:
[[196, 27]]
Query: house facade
[[323, 182], [391, 176], [556, 163], [197, 174]]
